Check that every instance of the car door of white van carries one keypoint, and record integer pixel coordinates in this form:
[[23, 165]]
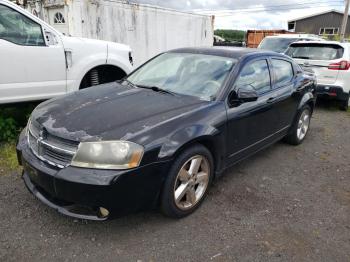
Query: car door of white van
[[30, 67]]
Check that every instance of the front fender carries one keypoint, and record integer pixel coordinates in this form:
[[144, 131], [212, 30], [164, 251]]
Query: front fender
[[120, 61], [185, 136], [80, 68]]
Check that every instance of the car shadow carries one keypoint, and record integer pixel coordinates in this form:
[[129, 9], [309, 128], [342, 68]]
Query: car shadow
[[329, 105]]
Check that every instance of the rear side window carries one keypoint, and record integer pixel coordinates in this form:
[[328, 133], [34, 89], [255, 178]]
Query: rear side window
[[315, 51], [283, 71], [19, 29], [256, 75]]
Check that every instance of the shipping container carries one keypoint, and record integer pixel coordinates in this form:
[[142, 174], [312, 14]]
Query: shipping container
[[148, 29]]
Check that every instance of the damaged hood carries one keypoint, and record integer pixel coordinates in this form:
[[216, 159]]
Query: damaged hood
[[111, 112]]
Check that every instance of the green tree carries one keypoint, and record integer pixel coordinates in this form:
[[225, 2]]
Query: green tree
[[231, 35]]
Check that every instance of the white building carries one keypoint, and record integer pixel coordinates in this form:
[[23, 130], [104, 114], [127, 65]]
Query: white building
[[149, 30]]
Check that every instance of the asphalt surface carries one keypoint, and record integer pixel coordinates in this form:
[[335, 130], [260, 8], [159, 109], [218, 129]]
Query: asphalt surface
[[284, 204]]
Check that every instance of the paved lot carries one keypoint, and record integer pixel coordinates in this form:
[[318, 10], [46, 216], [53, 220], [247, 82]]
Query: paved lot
[[285, 204]]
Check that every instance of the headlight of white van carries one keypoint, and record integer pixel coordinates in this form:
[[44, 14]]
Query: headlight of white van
[[108, 155]]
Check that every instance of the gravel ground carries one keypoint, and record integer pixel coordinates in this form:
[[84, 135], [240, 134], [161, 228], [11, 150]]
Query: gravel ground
[[284, 204]]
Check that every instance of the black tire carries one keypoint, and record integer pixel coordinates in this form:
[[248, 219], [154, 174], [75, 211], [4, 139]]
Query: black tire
[[345, 104], [292, 138], [167, 201]]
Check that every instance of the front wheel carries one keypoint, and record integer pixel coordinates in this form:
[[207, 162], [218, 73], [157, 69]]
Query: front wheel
[[300, 127], [188, 181]]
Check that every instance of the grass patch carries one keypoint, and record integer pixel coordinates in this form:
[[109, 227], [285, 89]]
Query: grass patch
[[8, 159]]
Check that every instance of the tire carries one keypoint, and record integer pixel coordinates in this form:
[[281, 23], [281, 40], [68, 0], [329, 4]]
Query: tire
[[190, 188], [345, 104], [300, 126]]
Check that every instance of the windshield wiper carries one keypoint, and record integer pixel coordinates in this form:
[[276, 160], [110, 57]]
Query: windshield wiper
[[158, 89]]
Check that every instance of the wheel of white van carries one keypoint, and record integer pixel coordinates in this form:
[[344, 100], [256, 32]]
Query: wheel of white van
[[300, 127], [345, 104], [188, 181]]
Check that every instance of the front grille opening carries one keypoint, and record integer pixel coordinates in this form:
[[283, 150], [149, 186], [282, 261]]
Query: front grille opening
[[52, 149]]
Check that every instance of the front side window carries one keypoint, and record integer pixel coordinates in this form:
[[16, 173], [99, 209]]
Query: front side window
[[185, 73], [283, 71], [19, 29], [256, 75]]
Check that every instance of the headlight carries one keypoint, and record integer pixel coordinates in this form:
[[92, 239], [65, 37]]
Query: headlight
[[108, 155]]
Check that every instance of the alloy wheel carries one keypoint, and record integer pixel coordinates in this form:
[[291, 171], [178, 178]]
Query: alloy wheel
[[303, 124], [191, 182]]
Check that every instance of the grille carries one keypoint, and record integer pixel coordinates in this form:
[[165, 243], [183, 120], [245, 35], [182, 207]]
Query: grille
[[53, 150]]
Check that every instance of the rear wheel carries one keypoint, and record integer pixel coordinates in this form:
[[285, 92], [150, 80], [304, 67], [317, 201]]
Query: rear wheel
[[345, 104], [187, 183], [300, 126]]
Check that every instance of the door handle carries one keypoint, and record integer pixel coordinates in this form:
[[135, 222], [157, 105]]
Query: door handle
[[271, 99]]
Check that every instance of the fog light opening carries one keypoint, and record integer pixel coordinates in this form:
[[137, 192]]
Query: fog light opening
[[103, 212]]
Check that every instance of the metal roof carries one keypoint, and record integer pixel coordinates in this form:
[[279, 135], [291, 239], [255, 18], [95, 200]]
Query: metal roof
[[316, 14]]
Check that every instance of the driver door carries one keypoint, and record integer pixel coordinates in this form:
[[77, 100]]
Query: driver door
[[30, 69], [251, 124]]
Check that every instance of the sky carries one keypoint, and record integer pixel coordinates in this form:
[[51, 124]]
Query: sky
[[250, 14]]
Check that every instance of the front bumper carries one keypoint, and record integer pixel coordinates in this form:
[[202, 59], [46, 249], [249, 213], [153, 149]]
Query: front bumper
[[80, 192], [331, 92]]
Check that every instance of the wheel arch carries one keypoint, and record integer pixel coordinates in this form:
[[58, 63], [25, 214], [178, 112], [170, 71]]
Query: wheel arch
[[209, 141], [308, 99], [108, 68]]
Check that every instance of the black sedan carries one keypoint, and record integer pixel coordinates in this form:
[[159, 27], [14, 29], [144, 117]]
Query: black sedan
[[160, 136]]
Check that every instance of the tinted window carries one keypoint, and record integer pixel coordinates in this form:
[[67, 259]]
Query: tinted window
[[283, 71], [18, 29], [255, 75], [315, 51], [185, 73]]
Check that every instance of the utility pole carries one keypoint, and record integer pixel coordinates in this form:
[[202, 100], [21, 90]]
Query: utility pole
[[345, 21]]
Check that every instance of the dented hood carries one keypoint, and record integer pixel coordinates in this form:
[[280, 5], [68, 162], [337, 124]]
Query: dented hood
[[111, 111]]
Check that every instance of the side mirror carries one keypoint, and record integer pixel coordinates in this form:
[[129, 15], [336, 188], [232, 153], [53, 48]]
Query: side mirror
[[242, 95]]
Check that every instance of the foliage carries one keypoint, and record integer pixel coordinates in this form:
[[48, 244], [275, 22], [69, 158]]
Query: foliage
[[13, 118], [231, 35], [8, 129]]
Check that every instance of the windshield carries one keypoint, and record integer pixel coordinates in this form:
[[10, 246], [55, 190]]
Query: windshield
[[315, 51], [184, 73], [278, 45]]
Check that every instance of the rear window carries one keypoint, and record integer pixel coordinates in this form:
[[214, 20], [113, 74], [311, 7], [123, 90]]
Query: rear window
[[315, 51], [278, 45]]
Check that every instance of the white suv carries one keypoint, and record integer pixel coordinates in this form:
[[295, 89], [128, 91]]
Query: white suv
[[330, 61], [37, 62]]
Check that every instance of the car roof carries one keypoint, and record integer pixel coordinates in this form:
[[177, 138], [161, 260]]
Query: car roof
[[224, 51]]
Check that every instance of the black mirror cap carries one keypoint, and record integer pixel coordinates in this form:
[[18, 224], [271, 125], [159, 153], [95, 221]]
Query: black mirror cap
[[242, 95]]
